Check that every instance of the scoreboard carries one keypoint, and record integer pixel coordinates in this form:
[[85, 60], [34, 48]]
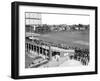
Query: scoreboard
[[33, 18]]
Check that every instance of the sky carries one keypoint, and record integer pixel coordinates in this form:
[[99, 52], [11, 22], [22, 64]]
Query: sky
[[64, 19]]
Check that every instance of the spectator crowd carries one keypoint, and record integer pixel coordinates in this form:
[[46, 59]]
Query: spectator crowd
[[80, 54]]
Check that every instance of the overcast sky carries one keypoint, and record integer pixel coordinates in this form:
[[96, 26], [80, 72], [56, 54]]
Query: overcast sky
[[64, 19]]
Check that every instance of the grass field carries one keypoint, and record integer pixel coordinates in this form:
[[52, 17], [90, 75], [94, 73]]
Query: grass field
[[75, 39]]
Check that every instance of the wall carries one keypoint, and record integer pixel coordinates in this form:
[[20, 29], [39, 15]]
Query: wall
[[5, 41]]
